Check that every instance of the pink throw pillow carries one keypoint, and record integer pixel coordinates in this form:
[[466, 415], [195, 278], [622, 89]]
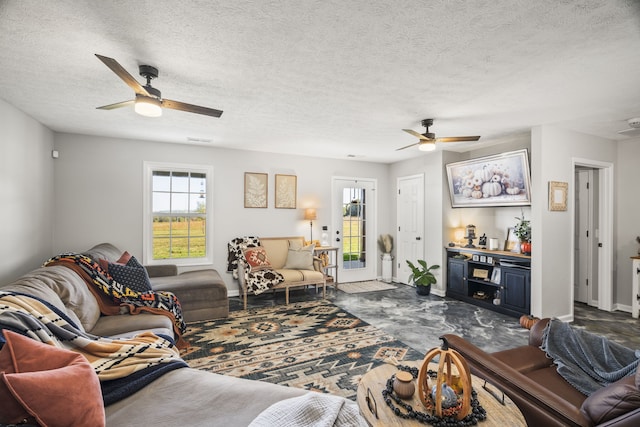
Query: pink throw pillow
[[47, 384]]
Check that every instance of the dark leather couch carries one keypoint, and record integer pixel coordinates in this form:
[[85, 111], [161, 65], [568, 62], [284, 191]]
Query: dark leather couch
[[529, 378]]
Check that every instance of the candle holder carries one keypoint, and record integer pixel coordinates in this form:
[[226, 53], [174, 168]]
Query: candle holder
[[471, 234]]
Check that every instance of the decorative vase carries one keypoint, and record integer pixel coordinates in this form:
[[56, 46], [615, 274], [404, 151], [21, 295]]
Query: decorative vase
[[525, 247], [387, 265], [423, 290], [403, 385]]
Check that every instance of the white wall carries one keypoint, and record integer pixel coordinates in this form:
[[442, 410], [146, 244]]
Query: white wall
[[554, 151], [627, 218], [441, 219], [26, 191], [99, 192]]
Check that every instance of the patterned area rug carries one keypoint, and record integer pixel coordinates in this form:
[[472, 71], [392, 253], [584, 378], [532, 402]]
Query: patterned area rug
[[313, 345], [368, 286]]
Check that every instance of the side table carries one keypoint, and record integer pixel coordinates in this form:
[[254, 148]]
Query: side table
[[332, 253], [375, 381]]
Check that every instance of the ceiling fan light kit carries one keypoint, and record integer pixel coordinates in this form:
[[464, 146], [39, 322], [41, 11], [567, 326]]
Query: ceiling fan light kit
[[427, 146], [149, 100], [427, 141], [148, 106]]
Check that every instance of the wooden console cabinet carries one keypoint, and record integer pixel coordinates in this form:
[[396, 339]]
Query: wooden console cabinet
[[496, 280]]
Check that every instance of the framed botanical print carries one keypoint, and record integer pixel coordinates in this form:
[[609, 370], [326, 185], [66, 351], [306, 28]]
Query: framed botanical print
[[255, 190], [286, 191]]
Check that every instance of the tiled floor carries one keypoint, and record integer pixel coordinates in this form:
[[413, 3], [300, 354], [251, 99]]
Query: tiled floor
[[418, 320]]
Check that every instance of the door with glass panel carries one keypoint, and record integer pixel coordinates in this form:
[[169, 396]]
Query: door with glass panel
[[354, 215]]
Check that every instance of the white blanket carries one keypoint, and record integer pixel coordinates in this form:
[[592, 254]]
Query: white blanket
[[311, 409]]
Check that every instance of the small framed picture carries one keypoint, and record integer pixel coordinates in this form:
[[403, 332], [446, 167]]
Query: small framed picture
[[483, 258], [558, 195], [475, 258], [480, 273], [489, 260]]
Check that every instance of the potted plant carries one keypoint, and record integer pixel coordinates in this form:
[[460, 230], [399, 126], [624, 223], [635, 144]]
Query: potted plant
[[385, 244], [422, 277], [522, 230]]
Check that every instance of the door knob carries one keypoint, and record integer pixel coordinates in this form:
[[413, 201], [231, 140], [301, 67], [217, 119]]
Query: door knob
[[337, 239], [418, 238]]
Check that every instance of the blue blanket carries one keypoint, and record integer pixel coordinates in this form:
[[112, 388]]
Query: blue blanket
[[587, 361]]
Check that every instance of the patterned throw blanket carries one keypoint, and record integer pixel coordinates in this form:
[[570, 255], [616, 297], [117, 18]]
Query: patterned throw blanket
[[257, 281], [123, 366], [112, 296]]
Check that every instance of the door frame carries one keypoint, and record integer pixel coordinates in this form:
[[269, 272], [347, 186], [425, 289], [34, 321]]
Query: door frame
[[374, 224], [605, 230]]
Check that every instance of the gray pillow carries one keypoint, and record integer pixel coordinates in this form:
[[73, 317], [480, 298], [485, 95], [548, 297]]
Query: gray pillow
[[300, 259]]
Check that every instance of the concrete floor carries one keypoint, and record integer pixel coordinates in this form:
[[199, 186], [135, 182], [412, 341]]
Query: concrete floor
[[419, 321]]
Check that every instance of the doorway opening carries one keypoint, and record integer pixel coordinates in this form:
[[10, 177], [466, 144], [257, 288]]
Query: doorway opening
[[592, 254]]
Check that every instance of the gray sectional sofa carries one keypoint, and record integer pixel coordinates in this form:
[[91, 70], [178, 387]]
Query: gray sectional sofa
[[184, 396]]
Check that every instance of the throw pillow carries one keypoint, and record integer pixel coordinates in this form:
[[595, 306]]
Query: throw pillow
[[300, 259], [257, 258], [124, 258], [132, 274], [47, 385]]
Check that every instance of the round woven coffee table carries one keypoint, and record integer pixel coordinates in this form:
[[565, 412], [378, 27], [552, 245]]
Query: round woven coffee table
[[374, 381]]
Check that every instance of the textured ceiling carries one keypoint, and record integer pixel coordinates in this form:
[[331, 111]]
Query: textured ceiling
[[327, 78]]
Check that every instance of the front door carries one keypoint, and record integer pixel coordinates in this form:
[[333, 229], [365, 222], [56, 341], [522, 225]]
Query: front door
[[354, 213]]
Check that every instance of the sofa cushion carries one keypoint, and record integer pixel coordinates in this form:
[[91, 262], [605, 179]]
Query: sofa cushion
[[301, 259], [228, 401], [59, 284], [49, 384], [104, 251], [301, 275], [614, 400], [276, 251], [129, 325], [552, 381], [257, 258]]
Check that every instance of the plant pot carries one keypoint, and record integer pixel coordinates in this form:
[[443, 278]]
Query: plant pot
[[525, 247], [423, 290]]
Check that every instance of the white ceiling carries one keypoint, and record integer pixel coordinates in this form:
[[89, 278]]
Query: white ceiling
[[327, 78]]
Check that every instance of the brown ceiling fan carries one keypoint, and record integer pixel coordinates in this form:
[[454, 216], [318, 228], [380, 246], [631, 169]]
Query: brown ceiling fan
[[428, 139], [148, 101]]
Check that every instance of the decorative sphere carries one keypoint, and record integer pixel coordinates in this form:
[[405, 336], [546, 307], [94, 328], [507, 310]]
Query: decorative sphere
[[449, 396]]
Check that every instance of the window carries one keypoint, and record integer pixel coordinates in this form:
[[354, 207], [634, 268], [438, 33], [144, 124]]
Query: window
[[178, 212]]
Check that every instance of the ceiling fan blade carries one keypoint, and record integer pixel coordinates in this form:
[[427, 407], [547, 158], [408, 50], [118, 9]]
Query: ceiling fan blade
[[416, 134], [116, 105], [457, 138], [190, 108], [123, 74], [417, 143]]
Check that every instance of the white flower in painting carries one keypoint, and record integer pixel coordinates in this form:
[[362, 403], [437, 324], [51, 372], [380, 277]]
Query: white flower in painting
[[256, 192]]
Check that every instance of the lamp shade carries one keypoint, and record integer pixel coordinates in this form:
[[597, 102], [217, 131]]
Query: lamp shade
[[148, 106], [310, 214]]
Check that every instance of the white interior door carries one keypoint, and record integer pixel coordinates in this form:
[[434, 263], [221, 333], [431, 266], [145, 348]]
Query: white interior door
[[581, 231], [354, 215], [410, 214]]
